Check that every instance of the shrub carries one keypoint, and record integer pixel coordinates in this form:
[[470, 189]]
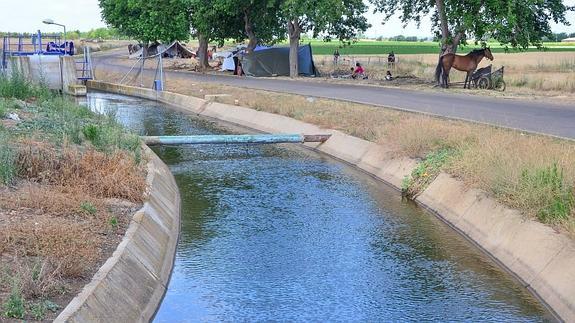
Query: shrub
[[426, 171], [88, 208], [3, 108], [38, 310], [113, 222], [14, 307], [553, 198], [8, 168], [17, 86]]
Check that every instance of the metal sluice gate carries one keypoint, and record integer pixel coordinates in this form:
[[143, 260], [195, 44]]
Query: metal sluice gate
[[233, 139]]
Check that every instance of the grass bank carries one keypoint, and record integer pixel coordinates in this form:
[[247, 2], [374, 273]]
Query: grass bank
[[534, 174], [69, 181]]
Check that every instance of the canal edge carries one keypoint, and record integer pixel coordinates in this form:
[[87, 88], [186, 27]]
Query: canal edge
[[532, 252], [131, 284]]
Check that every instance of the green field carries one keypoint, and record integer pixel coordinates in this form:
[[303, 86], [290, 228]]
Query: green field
[[384, 47]]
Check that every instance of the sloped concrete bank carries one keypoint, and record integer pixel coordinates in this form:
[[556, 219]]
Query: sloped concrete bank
[[130, 286], [542, 260]]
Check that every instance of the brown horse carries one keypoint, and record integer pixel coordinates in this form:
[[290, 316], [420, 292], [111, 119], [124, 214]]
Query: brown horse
[[467, 63]]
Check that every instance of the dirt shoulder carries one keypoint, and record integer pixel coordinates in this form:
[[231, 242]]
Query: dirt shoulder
[[70, 181]]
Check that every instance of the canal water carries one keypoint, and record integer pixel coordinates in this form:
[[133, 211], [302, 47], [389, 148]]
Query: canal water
[[280, 233]]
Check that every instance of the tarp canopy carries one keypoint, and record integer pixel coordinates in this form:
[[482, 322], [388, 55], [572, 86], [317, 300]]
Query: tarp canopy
[[274, 61], [175, 49]]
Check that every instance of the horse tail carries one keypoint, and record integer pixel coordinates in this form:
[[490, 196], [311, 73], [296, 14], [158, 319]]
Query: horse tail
[[439, 70]]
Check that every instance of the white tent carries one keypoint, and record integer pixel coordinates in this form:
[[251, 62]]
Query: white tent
[[175, 49], [224, 54]]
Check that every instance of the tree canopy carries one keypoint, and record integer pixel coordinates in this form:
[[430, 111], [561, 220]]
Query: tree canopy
[[339, 19], [260, 19], [517, 23], [148, 20]]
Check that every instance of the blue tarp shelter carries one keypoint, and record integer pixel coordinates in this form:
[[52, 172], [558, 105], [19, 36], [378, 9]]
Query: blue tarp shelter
[[274, 61]]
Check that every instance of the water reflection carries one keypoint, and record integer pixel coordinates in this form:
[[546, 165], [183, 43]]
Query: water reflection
[[276, 233]]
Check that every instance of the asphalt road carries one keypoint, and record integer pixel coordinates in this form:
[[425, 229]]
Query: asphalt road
[[532, 116]]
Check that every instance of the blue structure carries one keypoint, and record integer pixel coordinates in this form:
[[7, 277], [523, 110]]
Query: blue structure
[[44, 44], [15, 45]]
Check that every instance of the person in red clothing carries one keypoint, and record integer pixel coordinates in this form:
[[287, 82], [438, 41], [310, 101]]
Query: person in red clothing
[[359, 72]]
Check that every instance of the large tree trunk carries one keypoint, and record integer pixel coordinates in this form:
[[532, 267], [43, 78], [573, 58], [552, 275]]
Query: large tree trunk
[[443, 25], [203, 52], [294, 32], [249, 28], [448, 44]]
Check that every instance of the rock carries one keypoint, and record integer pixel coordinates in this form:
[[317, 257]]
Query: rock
[[13, 116]]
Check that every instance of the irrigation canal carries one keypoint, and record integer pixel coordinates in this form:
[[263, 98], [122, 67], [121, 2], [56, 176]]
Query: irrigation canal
[[280, 233]]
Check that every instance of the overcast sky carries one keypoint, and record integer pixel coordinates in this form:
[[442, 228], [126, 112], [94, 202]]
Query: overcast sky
[[27, 16]]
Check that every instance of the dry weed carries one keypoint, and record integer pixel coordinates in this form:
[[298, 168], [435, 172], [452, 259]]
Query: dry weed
[[100, 174], [35, 278], [418, 135], [63, 201], [61, 241], [499, 159]]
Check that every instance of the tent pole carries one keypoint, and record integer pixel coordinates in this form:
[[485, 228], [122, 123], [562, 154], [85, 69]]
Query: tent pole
[[162, 72], [132, 68], [142, 70]]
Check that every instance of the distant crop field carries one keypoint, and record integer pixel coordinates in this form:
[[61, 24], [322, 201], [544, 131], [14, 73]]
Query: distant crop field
[[384, 47]]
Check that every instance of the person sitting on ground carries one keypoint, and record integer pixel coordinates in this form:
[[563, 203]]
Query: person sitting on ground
[[388, 76], [359, 72]]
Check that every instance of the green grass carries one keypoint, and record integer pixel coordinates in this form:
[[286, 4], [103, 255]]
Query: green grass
[[62, 120], [3, 108], [426, 171], [38, 310], [113, 221], [384, 47], [88, 208], [8, 169], [546, 189], [17, 86], [14, 306]]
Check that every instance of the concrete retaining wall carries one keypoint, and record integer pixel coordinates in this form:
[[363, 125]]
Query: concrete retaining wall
[[543, 260], [56, 72], [131, 284]]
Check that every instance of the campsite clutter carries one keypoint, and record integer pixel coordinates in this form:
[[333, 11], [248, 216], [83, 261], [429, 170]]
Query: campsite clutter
[[263, 61], [266, 61]]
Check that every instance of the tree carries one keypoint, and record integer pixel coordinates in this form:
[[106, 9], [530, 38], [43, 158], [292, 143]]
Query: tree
[[212, 22], [516, 23], [217, 20], [260, 19], [148, 20], [340, 19]]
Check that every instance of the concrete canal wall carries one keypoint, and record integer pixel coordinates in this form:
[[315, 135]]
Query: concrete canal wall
[[130, 286], [542, 259], [56, 72]]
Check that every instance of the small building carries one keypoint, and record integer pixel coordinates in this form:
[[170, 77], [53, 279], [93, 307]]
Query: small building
[[568, 40]]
